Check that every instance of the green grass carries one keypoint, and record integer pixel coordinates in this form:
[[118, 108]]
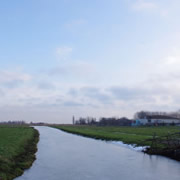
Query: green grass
[[129, 135], [17, 149]]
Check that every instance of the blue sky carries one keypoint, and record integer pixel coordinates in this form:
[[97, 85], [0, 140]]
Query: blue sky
[[60, 58]]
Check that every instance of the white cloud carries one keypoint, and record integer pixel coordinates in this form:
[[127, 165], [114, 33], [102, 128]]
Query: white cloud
[[144, 5], [76, 70], [164, 13], [63, 52], [75, 23], [151, 6], [159, 92], [169, 66], [173, 61], [9, 76]]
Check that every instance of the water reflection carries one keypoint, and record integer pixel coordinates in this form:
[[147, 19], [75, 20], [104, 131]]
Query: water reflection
[[68, 157]]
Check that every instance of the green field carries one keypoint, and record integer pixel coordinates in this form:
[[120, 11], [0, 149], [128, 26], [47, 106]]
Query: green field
[[129, 135], [17, 149]]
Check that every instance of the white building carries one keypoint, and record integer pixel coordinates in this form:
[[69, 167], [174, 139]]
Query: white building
[[159, 119]]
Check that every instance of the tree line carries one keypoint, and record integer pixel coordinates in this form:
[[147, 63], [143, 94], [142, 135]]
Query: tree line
[[112, 121]]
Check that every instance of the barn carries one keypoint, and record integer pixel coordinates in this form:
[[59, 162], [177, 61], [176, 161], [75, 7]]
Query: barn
[[159, 119]]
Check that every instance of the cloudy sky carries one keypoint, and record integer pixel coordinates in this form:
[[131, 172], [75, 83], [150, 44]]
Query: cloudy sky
[[60, 58]]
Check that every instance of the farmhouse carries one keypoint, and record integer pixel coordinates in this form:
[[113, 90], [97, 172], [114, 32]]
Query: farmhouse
[[158, 119], [148, 118]]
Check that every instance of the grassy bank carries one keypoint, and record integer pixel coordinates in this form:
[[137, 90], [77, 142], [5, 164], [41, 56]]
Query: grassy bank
[[129, 135], [162, 140], [17, 150]]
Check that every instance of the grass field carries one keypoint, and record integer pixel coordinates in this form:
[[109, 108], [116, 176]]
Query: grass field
[[129, 135], [17, 148]]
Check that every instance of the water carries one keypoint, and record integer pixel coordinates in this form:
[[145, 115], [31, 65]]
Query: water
[[63, 156]]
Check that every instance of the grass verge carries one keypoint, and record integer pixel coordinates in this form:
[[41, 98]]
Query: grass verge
[[129, 135], [17, 150], [140, 136]]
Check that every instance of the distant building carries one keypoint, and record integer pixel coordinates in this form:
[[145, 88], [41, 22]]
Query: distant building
[[160, 119], [136, 122], [73, 120], [149, 118]]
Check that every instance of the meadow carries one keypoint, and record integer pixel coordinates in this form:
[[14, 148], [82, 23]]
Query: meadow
[[129, 135], [17, 150]]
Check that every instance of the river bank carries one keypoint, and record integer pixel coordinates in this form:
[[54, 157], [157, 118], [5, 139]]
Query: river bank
[[18, 146], [68, 157], [136, 136]]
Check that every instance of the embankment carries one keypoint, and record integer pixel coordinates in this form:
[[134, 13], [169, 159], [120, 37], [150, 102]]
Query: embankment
[[18, 146], [140, 136]]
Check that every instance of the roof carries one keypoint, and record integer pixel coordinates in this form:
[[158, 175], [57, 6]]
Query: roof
[[162, 117]]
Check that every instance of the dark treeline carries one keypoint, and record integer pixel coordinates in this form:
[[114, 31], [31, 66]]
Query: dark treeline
[[85, 121], [13, 122], [113, 121]]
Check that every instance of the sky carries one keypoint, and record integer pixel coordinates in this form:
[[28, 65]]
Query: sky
[[97, 58]]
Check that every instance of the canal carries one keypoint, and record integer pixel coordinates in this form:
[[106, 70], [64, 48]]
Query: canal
[[63, 156]]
